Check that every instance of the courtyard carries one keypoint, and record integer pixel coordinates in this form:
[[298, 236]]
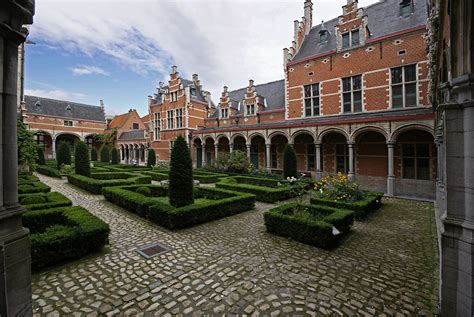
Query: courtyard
[[387, 265]]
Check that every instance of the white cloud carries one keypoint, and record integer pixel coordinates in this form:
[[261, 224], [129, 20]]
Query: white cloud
[[88, 70], [57, 94], [226, 42]]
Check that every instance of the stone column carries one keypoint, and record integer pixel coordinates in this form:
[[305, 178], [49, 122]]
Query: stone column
[[268, 156], [203, 155], [391, 173], [248, 150], [54, 147], [231, 147], [216, 150], [319, 173], [15, 259], [351, 173]]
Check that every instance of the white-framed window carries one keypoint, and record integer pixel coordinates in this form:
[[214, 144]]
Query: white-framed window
[[179, 118], [170, 118], [250, 109], [406, 8], [157, 126], [225, 113], [404, 86], [351, 39], [352, 94], [174, 96], [311, 100], [68, 123]]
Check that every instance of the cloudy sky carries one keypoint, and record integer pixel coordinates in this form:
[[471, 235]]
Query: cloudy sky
[[118, 50]]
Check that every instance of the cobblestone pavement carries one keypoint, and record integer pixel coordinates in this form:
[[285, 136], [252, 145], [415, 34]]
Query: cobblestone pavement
[[387, 265]]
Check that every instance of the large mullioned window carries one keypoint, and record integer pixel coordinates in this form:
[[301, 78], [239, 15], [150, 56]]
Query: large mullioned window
[[352, 94], [179, 118], [169, 117], [416, 160], [311, 100], [157, 126], [404, 86]]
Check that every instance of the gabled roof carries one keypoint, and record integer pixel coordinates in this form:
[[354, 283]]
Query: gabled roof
[[186, 83], [119, 120], [61, 108], [132, 135], [146, 118], [383, 19]]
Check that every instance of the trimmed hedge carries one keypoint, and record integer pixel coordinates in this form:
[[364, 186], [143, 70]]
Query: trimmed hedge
[[105, 154], [157, 176], [22, 178], [208, 177], [32, 187], [62, 234], [44, 200], [114, 155], [181, 192], [225, 203], [93, 154], [362, 208], [51, 171], [265, 189], [63, 155], [97, 181], [40, 160], [151, 160], [81, 159], [314, 227]]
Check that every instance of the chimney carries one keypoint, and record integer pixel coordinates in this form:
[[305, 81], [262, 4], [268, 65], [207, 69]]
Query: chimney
[[102, 105], [296, 26], [174, 70], [286, 56], [149, 101], [308, 15], [196, 81]]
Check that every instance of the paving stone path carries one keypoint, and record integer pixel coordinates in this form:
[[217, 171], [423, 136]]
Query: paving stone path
[[386, 266]]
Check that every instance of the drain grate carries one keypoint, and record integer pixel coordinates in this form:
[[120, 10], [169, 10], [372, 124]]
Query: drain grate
[[151, 250]]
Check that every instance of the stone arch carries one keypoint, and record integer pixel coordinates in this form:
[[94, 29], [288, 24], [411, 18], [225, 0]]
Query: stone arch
[[221, 136], [208, 137], [80, 137], [359, 131], [332, 130], [412, 126], [276, 133], [300, 132], [257, 134], [236, 135]]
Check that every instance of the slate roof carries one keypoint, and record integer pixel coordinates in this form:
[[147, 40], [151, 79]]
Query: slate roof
[[132, 135], [61, 108], [383, 19], [186, 83]]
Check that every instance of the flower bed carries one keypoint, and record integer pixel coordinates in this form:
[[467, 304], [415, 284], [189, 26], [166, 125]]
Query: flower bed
[[97, 181], [62, 234], [370, 202], [309, 224], [266, 189], [44, 200], [210, 204]]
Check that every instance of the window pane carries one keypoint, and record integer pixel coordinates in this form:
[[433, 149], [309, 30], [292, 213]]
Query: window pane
[[397, 96], [396, 75], [408, 150], [315, 89], [410, 73], [358, 101], [410, 95], [423, 168], [345, 40], [423, 150], [346, 84], [408, 168], [307, 91], [355, 38], [307, 107], [347, 102], [357, 82]]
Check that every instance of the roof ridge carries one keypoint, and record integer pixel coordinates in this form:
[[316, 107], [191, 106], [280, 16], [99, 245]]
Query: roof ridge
[[68, 101]]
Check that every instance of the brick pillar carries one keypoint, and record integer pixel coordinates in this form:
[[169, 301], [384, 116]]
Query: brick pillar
[[351, 173], [319, 173], [268, 158], [391, 174], [15, 258]]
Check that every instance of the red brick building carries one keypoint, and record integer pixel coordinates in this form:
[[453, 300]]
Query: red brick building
[[354, 99]]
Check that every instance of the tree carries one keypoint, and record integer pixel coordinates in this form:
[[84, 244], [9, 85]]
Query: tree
[[93, 154], [81, 158], [181, 175], [63, 155], [114, 156], [289, 162], [151, 158], [27, 152], [41, 160], [104, 154], [238, 162]]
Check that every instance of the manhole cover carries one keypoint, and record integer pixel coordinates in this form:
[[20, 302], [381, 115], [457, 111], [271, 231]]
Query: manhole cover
[[151, 250]]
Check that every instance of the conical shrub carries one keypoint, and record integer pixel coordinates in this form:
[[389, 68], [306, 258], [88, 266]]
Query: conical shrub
[[181, 174], [93, 155], [114, 153], [63, 155], [104, 154], [40, 160], [81, 160], [151, 161], [289, 162]]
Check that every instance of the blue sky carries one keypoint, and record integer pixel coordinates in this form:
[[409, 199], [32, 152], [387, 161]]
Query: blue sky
[[118, 51]]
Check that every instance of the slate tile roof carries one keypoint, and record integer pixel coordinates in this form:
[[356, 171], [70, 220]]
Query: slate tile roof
[[132, 135]]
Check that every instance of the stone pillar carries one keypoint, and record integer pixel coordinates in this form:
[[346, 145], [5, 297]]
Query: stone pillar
[[248, 150], [15, 259], [391, 173], [203, 155], [54, 147], [216, 150], [319, 172], [351, 173], [268, 156], [231, 147]]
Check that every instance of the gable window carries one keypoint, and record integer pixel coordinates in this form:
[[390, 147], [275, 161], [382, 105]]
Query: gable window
[[416, 160], [169, 117], [174, 96], [68, 123], [225, 113], [404, 88], [157, 126], [350, 39], [323, 36], [355, 38], [352, 94], [193, 91], [406, 8], [136, 126], [311, 100], [179, 118], [250, 110], [345, 40]]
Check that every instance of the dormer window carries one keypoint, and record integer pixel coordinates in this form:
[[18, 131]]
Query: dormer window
[[224, 113], [346, 40], [350, 39], [250, 110], [68, 109], [38, 106], [193, 91], [323, 36], [406, 8]]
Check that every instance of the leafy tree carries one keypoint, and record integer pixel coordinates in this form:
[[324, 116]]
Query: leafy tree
[[238, 162], [289, 162], [151, 158], [104, 154], [27, 152], [181, 174], [114, 156], [93, 154], [81, 158], [63, 154], [41, 160], [222, 161]]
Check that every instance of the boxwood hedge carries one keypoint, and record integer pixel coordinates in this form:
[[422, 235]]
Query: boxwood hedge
[[49, 170], [32, 187], [97, 181], [43, 200], [313, 226], [362, 208], [63, 233], [224, 203]]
